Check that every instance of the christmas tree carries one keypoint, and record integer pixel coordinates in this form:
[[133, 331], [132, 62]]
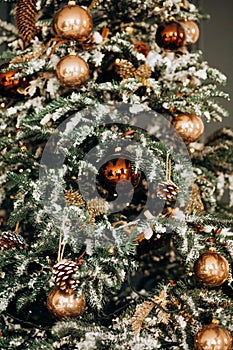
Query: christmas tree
[[116, 220]]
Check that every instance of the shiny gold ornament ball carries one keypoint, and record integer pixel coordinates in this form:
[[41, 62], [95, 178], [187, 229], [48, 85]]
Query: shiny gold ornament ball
[[73, 22], [192, 31], [211, 269], [213, 337], [72, 71], [170, 36], [62, 304], [189, 126]]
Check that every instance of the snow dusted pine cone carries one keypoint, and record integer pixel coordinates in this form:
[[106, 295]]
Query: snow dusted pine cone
[[167, 190], [63, 272], [11, 240]]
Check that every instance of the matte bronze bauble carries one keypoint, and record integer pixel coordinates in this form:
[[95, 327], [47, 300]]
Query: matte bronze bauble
[[213, 337], [170, 36], [189, 126], [73, 22], [211, 269], [72, 71], [62, 304]]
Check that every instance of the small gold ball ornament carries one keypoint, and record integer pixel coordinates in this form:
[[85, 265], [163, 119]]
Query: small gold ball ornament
[[189, 126], [213, 337], [62, 304], [192, 31], [73, 22], [72, 71], [211, 269]]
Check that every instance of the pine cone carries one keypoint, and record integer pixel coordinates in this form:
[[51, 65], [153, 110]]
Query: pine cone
[[11, 240], [74, 198], [62, 273], [143, 72], [167, 190], [96, 206], [125, 69], [26, 20]]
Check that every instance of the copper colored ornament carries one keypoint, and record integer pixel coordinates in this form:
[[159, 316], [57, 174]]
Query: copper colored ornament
[[9, 83], [141, 47], [170, 36], [62, 304], [213, 337], [191, 30], [119, 169], [73, 22], [211, 269], [189, 126], [72, 71]]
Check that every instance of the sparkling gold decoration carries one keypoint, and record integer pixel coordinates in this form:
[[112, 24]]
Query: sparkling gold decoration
[[195, 204], [97, 206], [25, 16], [72, 71], [74, 198], [9, 83], [144, 71], [170, 36], [129, 30], [73, 22], [211, 269], [213, 337], [126, 70], [63, 305], [191, 30], [143, 310], [189, 126]]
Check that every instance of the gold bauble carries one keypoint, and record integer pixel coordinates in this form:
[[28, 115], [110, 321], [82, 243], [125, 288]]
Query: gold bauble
[[213, 337], [211, 269], [170, 36], [119, 169], [191, 30], [189, 126], [62, 304], [72, 71], [73, 22]]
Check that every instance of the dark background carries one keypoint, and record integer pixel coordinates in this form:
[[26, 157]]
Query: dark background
[[216, 43]]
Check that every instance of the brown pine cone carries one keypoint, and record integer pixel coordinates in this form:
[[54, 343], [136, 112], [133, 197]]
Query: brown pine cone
[[11, 240], [167, 190], [62, 273]]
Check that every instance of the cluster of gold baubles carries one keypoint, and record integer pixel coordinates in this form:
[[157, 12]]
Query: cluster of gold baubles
[[73, 22]]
